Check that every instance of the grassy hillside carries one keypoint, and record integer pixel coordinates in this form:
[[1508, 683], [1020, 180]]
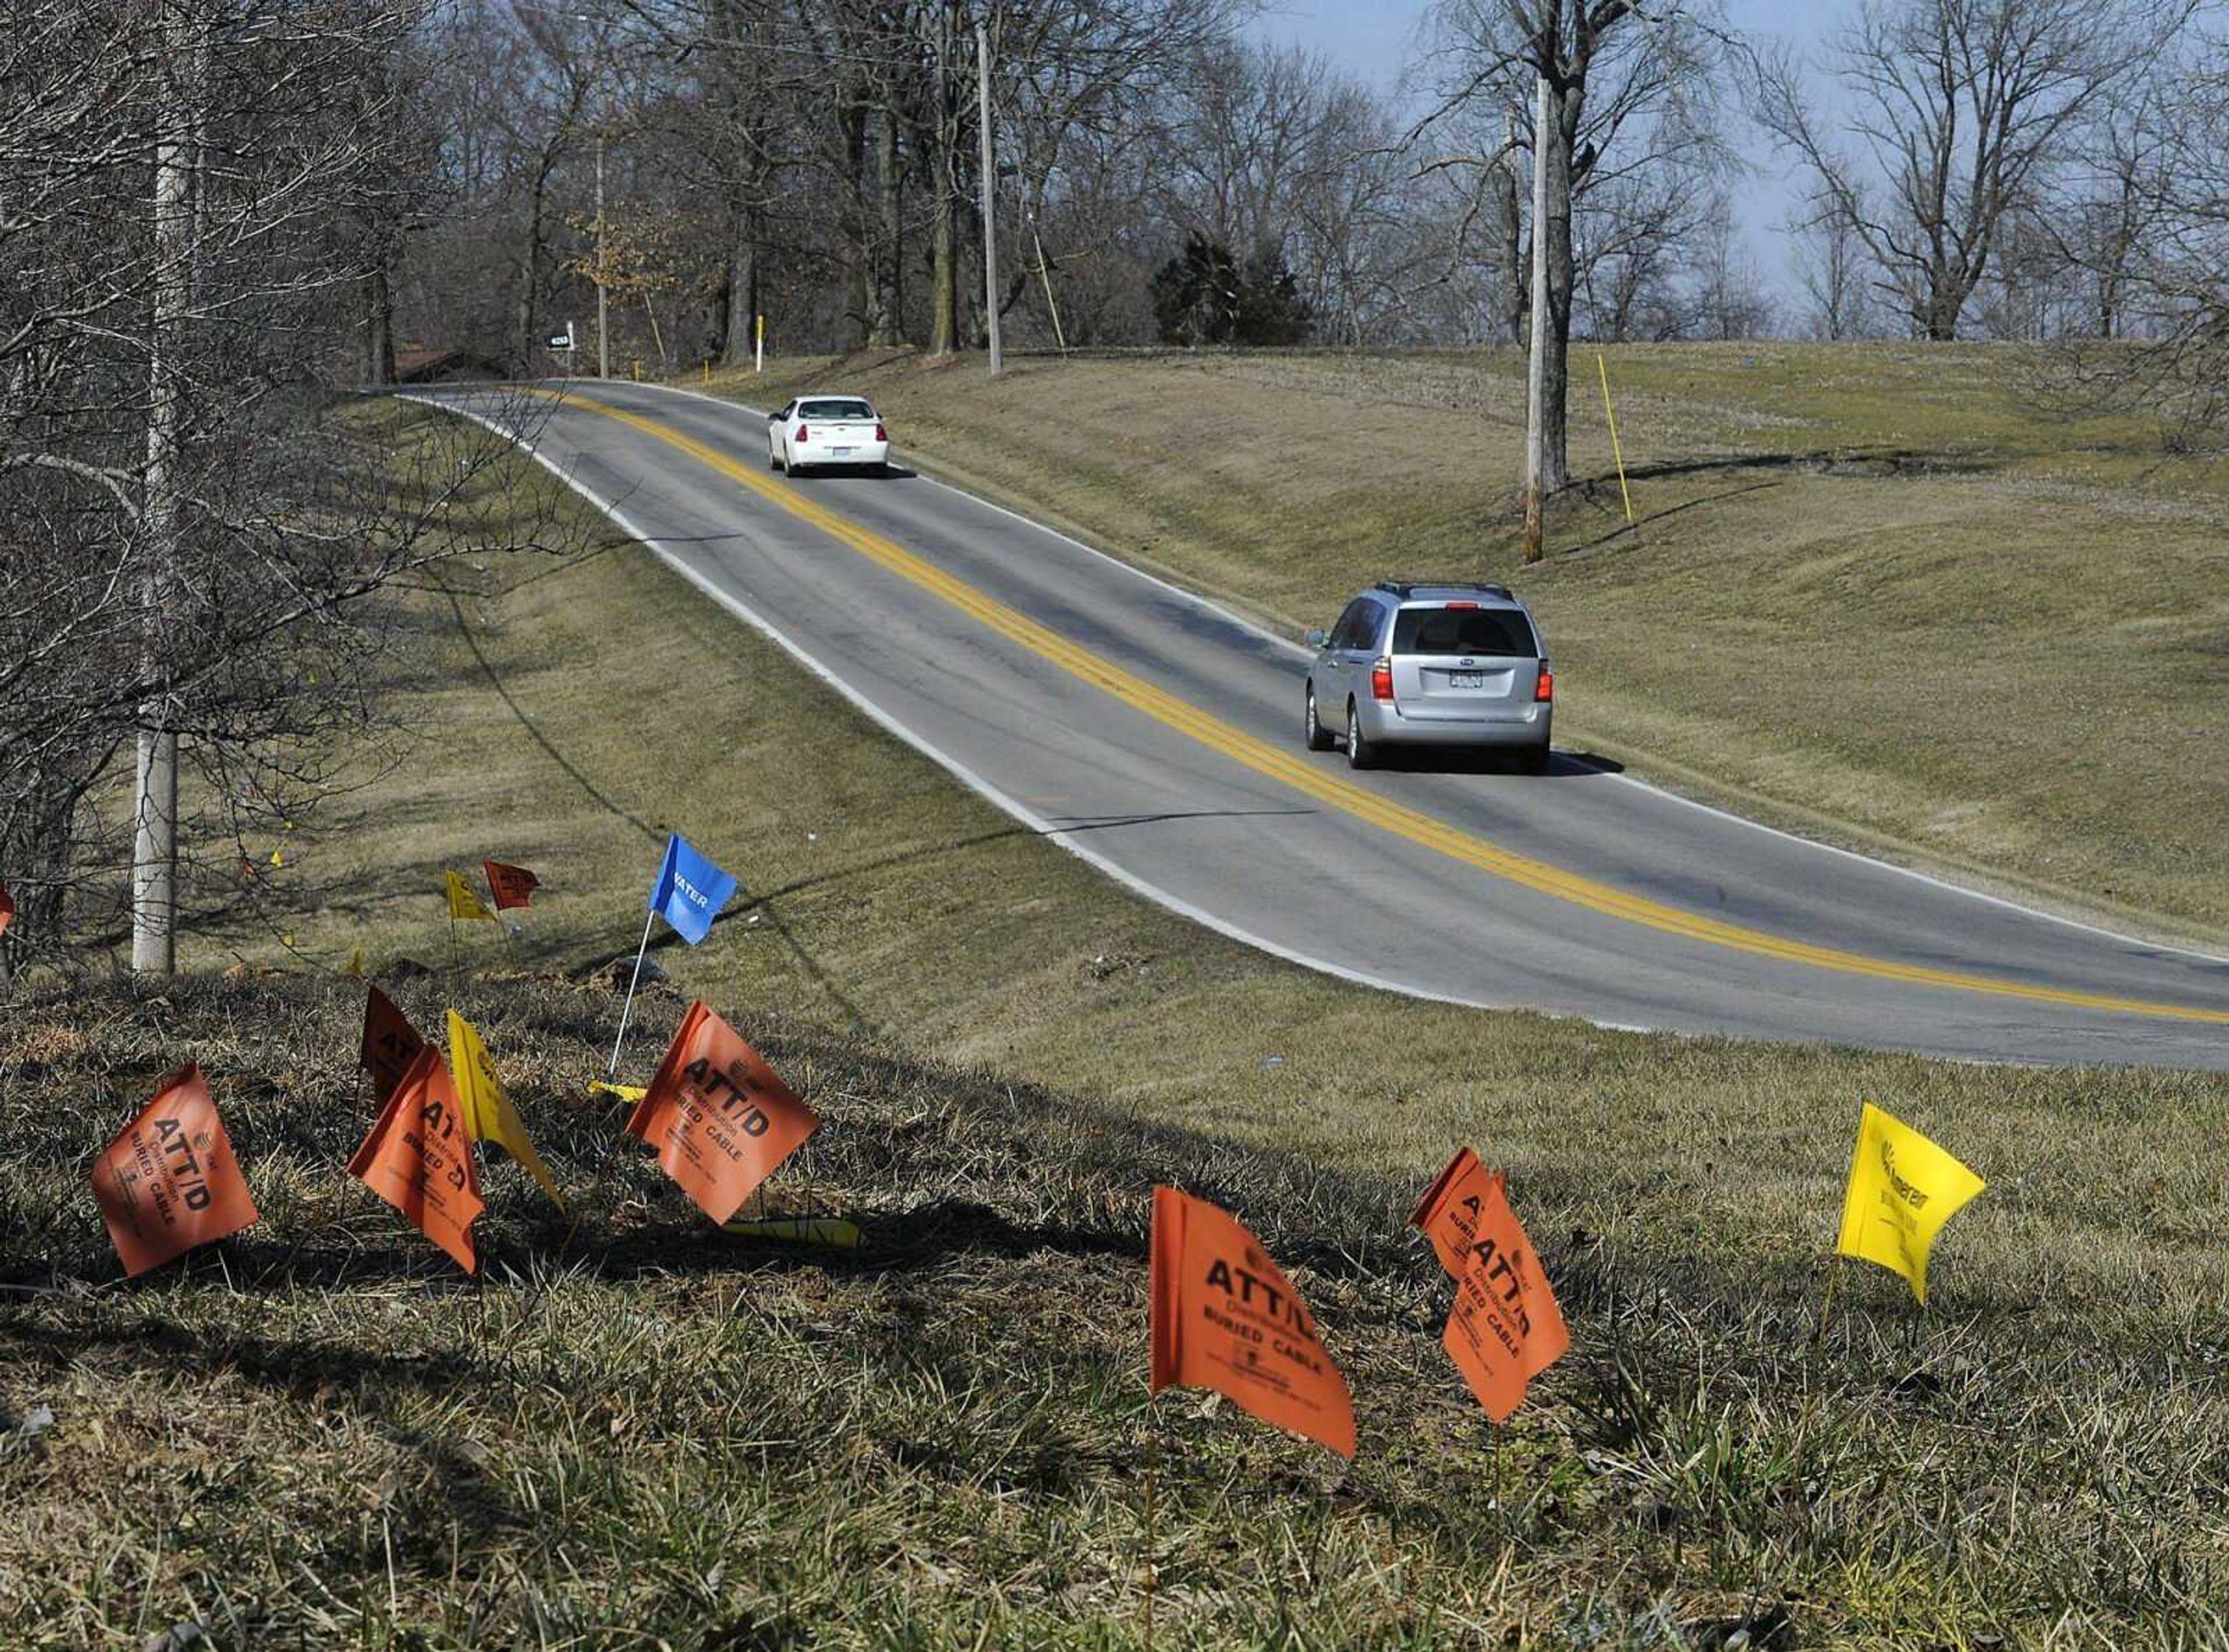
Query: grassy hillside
[[1875, 592], [641, 1431]]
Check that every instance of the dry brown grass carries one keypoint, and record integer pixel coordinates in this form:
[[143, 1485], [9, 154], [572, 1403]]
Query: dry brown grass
[[643, 1432]]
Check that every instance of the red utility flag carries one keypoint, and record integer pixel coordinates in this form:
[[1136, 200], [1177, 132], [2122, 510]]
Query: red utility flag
[[511, 885], [1222, 1316], [7, 909], [1449, 1212], [1506, 1329], [390, 1044], [171, 1182], [418, 1159], [721, 1119]]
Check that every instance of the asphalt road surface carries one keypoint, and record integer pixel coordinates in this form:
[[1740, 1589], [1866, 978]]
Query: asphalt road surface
[[1159, 737]]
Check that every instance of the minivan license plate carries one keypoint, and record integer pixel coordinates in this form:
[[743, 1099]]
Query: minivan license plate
[[1466, 679]]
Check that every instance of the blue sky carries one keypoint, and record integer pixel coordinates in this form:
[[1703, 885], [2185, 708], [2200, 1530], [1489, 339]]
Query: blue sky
[[1376, 39]]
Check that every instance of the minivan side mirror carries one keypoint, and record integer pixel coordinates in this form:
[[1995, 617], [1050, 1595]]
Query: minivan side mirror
[[1315, 636]]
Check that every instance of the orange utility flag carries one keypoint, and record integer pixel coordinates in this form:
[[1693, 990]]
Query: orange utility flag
[[1222, 1316], [720, 1118], [390, 1044], [418, 1159], [1449, 1212], [511, 885], [7, 909], [170, 1182], [1506, 1329]]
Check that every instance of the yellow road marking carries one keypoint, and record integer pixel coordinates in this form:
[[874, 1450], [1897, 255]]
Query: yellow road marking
[[1311, 780]]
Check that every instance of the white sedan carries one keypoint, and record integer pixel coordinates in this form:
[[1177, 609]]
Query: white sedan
[[815, 431]]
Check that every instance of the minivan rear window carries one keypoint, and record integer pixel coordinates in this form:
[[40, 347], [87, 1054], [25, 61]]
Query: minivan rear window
[[1464, 631], [834, 411]]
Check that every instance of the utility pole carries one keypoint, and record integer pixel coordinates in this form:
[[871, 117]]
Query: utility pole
[[1536, 369], [990, 197], [155, 826], [603, 340]]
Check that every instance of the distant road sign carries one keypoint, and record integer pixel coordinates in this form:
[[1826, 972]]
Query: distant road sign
[[567, 339]]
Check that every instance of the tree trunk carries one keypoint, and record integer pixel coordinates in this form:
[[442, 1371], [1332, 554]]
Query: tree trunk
[[889, 314], [944, 270], [379, 323], [1946, 298], [530, 276], [1555, 389], [859, 301], [738, 331], [155, 814], [1506, 184]]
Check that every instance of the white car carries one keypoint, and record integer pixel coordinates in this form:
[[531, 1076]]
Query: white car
[[815, 431]]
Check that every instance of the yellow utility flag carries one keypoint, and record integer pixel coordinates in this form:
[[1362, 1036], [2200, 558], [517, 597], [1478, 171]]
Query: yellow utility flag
[[355, 970], [489, 1115], [464, 901], [832, 1231], [628, 1093], [1903, 1189]]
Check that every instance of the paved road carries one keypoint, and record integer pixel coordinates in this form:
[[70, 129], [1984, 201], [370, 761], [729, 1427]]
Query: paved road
[[1159, 737]]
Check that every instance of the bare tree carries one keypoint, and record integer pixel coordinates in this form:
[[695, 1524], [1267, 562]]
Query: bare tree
[[1627, 87], [2169, 283], [187, 529], [1958, 111], [1730, 296], [1834, 269]]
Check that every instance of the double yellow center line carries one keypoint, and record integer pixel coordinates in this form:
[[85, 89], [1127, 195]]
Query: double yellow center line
[[1327, 786]]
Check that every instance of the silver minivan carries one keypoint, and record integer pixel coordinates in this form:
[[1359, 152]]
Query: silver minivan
[[1431, 665]]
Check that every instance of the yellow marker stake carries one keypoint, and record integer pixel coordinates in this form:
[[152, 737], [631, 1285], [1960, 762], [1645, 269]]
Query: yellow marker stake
[[1609, 412], [1289, 768]]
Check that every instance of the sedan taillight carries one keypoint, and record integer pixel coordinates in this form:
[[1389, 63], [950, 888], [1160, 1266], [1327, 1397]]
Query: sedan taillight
[[881, 435], [1544, 692], [804, 434], [1381, 680]]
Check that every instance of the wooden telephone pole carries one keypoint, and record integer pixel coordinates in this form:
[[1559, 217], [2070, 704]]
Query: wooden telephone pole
[[1546, 120]]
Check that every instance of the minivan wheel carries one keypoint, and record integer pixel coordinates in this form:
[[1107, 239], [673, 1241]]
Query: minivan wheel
[[1360, 754], [1318, 737]]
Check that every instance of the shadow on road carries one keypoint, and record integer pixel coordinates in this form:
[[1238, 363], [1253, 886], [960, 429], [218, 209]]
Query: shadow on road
[[1458, 759]]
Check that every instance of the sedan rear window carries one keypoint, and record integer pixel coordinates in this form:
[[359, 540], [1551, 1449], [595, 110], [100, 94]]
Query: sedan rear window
[[834, 411], [1464, 631]]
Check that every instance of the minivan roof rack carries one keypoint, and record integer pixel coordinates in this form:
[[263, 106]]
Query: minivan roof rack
[[1405, 588]]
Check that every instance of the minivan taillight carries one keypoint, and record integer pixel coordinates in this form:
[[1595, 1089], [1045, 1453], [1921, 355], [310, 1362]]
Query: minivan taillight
[[1544, 692], [805, 433], [881, 435], [1381, 680]]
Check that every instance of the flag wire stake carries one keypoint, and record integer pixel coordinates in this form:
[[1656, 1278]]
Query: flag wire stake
[[1500, 1495], [627, 1009], [1835, 1271], [1615, 446], [1152, 1547]]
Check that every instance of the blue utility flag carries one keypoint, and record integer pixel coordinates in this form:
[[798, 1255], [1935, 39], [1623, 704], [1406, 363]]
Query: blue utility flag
[[690, 892]]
